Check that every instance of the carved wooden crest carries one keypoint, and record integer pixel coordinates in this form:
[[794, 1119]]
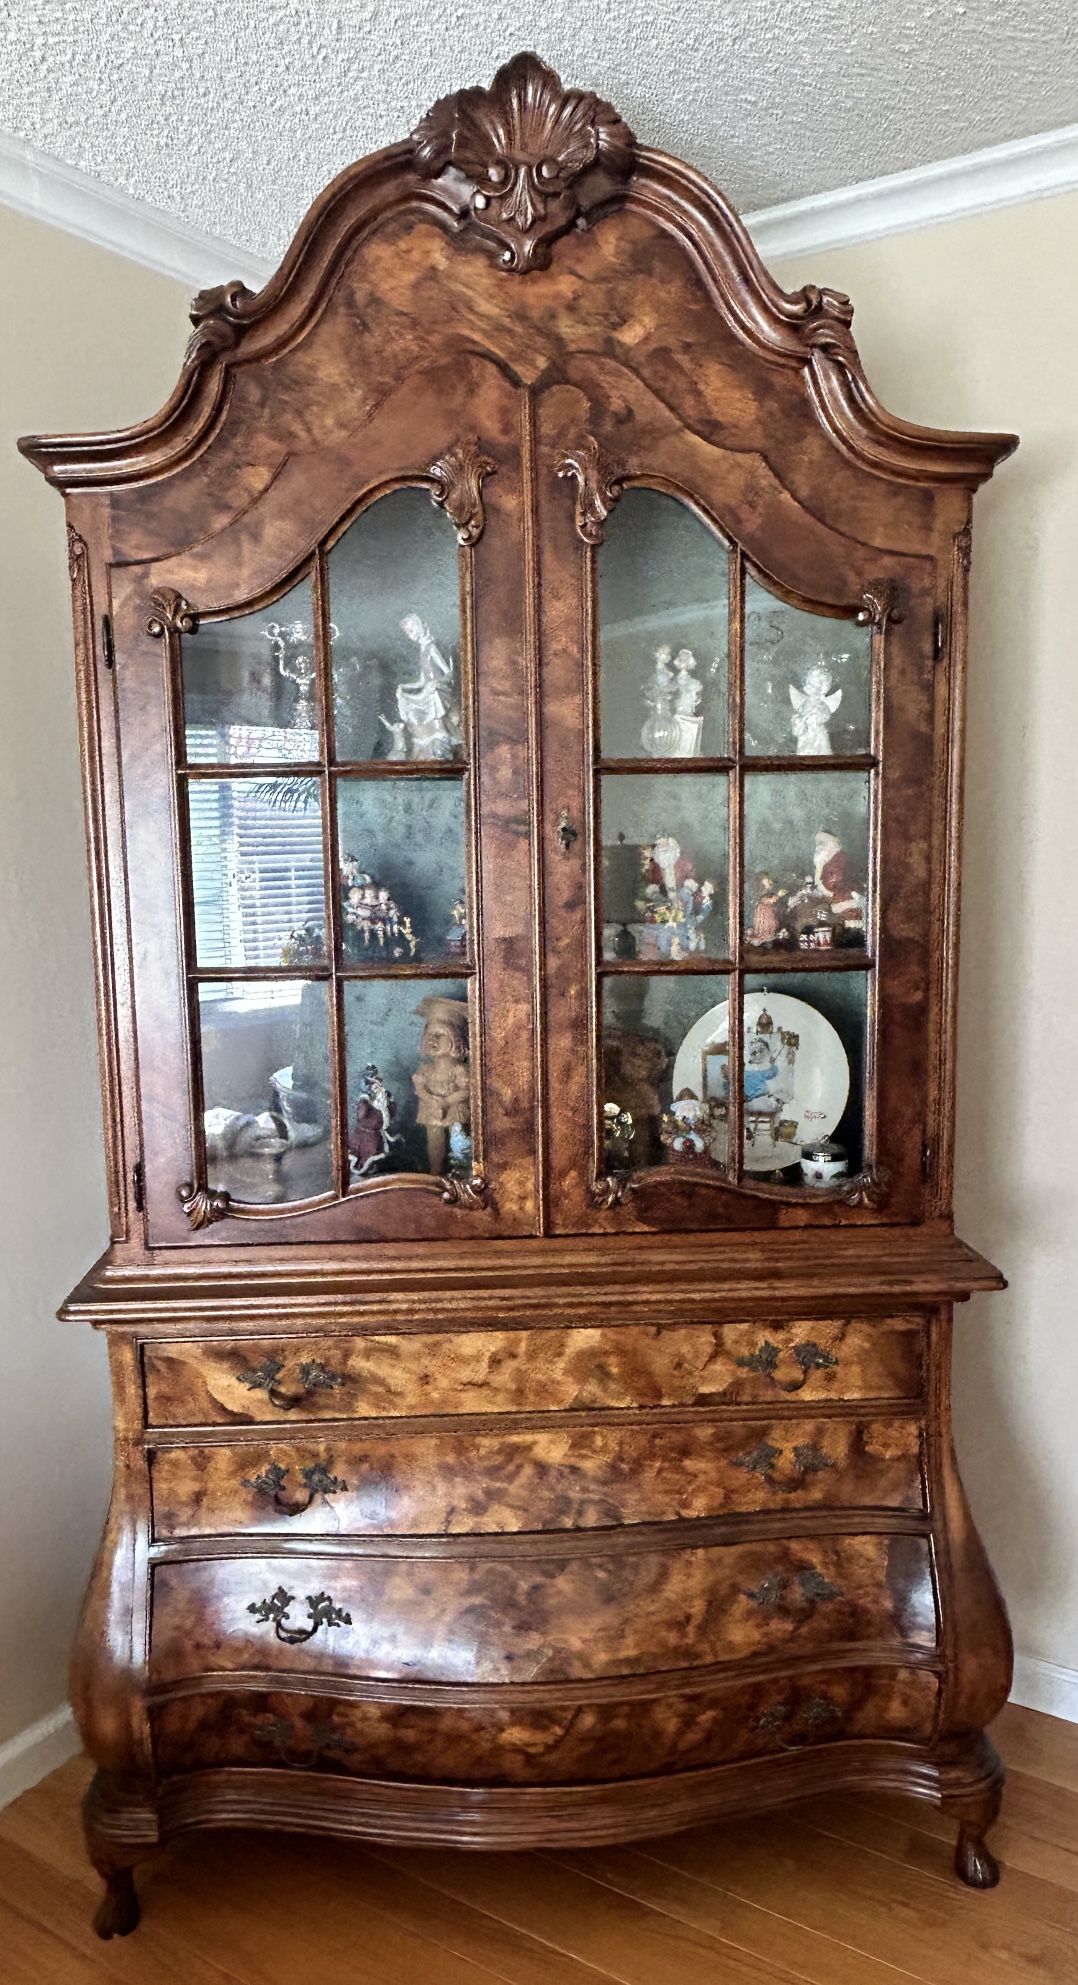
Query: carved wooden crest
[[458, 478], [525, 143], [599, 484]]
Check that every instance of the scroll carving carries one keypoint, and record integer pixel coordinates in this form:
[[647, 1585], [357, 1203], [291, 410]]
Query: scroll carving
[[599, 484], [76, 553], [471, 1194], [867, 1188], [458, 476], [170, 614], [220, 317], [880, 603], [525, 143], [825, 316], [202, 1205]]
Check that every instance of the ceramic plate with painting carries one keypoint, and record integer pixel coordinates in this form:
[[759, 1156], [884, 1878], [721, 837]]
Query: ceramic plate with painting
[[796, 1074]]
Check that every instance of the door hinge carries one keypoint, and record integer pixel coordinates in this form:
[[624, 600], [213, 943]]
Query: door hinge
[[939, 631], [137, 1187], [108, 645]]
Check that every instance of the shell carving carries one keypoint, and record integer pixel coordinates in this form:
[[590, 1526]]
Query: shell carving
[[524, 143]]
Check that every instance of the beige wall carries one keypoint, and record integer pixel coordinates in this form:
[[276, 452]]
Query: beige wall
[[89, 340], [965, 324], [970, 324]]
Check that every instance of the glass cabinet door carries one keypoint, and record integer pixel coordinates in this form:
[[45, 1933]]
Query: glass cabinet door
[[735, 825], [326, 790]]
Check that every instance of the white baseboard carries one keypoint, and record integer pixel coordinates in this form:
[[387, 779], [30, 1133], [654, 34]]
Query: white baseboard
[[30, 1756], [1046, 1686]]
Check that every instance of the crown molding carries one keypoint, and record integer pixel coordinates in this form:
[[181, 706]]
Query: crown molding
[[974, 183], [47, 190], [977, 183]]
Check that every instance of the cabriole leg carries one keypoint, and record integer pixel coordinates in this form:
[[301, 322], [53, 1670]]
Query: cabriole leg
[[121, 1829], [974, 1862], [117, 1913]]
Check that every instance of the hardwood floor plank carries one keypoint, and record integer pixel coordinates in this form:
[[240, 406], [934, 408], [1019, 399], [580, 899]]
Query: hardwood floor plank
[[634, 1944], [1036, 1833], [1043, 1746], [942, 1933], [47, 1821], [825, 1960], [511, 1954], [33, 1955]]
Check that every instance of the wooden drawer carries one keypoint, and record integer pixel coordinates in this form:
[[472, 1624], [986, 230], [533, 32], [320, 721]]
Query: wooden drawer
[[559, 1477], [230, 1380], [551, 1744], [496, 1619]]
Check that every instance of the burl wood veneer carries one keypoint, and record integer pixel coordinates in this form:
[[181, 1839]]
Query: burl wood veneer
[[549, 1499]]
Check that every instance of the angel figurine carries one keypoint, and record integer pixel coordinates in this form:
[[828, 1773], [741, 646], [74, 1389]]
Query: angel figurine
[[814, 704]]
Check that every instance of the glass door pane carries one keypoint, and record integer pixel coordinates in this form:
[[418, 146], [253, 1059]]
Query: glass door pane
[[663, 632]]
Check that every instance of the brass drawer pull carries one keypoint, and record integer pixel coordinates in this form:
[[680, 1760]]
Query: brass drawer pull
[[760, 1460], [778, 1592], [810, 1356], [317, 1479], [313, 1377], [320, 1606], [282, 1738], [818, 1716]]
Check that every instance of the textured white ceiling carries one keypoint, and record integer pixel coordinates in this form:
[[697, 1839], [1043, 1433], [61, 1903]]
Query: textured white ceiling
[[232, 114]]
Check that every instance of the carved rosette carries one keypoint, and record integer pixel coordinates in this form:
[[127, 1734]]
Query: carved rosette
[[202, 1205], [880, 604], [599, 484], [170, 614], [525, 144], [867, 1188], [458, 477], [220, 317], [471, 1194], [611, 1190]]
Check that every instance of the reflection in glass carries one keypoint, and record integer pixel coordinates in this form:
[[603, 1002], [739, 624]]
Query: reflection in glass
[[249, 686], [663, 634], [265, 1088], [409, 1081], [808, 680], [395, 612], [256, 869], [402, 869], [806, 860], [677, 1107], [818, 1102], [664, 864]]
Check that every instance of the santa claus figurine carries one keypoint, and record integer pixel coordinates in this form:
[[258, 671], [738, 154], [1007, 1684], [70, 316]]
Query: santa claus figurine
[[832, 880]]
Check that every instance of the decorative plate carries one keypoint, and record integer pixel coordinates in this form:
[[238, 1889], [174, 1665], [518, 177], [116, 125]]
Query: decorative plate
[[796, 1075]]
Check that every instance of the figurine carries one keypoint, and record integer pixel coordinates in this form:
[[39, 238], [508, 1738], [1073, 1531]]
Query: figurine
[[305, 946], [618, 1133], [814, 704], [674, 906], [399, 747], [661, 731], [767, 926], [369, 915], [441, 1081], [688, 1126], [456, 937], [828, 899], [371, 1137], [688, 695], [460, 1151], [427, 715]]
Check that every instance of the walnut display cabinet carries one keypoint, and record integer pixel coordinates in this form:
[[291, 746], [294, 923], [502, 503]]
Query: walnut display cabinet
[[521, 675]]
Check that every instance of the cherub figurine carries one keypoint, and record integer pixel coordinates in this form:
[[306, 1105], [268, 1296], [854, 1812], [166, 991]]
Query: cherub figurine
[[441, 1081], [814, 704]]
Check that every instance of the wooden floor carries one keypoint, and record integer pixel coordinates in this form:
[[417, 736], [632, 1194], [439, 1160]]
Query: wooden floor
[[840, 1892]]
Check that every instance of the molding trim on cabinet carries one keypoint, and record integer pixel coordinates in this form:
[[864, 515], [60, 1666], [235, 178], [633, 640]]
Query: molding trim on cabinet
[[31, 1754], [975, 183], [1045, 1685]]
